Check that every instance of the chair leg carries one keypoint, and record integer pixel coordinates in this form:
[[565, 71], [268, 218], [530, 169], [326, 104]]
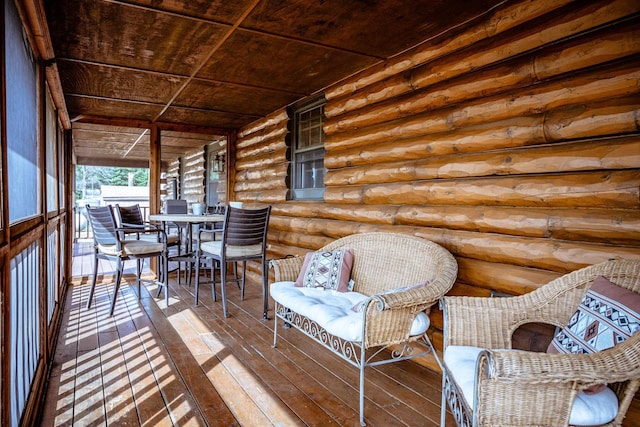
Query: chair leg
[[443, 404], [119, 267], [161, 273], [265, 298], [223, 274], [138, 273], [244, 273], [362, 366], [93, 281], [197, 277], [275, 329], [235, 273], [165, 281], [213, 279]]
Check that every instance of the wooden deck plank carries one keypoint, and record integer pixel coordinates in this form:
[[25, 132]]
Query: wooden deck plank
[[89, 392], [150, 405], [188, 365], [119, 403], [59, 402], [291, 384], [383, 417], [232, 396], [347, 374], [206, 398], [272, 392], [183, 364]]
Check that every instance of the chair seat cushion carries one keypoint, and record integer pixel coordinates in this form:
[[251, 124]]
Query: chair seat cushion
[[588, 409], [215, 248], [332, 309], [133, 248]]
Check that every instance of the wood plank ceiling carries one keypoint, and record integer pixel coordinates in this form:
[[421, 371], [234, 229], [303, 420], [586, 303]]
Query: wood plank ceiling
[[218, 64]]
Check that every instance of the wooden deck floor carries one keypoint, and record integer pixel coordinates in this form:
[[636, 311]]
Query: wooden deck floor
[[187, 365]]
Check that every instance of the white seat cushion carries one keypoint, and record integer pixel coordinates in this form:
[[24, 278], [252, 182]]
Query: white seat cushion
[[332, 309], [133, 248], [215, 248], [588, 409]]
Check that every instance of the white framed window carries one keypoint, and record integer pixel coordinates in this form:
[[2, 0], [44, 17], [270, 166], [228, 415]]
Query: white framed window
[[307, 150]]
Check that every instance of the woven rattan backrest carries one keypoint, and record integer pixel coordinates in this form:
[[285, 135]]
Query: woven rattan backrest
[[129, 215], [384, 261], [565, 293], [103, 224], [246, 226]]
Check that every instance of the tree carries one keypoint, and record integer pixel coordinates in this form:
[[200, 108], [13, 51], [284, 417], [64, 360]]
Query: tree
[[89, 179]]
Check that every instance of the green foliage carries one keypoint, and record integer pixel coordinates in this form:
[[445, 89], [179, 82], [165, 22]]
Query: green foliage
[[89, 179]]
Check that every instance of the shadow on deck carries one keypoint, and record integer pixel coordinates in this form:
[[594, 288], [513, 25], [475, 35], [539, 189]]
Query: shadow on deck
[[187, 365]]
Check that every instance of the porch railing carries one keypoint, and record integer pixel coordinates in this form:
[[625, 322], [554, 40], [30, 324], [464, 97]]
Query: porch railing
[[25, 327], [81, 229]]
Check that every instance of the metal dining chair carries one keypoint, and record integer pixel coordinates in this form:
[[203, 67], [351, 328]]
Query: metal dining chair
[[184, 255], [131, 217], [110, 243], [244, 238]]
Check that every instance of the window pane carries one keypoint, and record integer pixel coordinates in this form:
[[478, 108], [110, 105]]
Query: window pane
[[51, 155], [22, 124], [309, 131], [307, 148], [310, 169], [61, 168]]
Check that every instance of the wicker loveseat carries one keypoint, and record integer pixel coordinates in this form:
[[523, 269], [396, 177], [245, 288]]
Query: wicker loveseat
[[504, 387], [392, 311]]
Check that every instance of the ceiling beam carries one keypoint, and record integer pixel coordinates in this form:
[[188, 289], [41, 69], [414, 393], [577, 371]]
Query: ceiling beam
[[143, 124], [111, 162]]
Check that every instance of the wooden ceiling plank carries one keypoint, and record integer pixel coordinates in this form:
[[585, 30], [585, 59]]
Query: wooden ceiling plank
[[213, 50]]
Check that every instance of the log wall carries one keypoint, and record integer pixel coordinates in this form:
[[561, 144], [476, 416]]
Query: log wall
[[514, 143], [193, 188]]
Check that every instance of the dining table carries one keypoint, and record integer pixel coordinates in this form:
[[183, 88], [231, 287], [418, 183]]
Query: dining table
[[189, 257], [189, 219]]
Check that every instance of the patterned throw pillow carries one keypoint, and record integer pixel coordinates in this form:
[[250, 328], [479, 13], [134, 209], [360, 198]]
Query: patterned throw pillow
[[329, 270], [607, 315]]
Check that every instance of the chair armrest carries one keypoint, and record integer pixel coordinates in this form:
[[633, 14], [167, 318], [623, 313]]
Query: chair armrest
[[144, 227], [286, 269], [616, 364], [209, 231], [388, 316], [547, 382], [137, 230], [419, 297]]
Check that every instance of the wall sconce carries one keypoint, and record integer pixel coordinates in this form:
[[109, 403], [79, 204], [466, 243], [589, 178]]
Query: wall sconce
[[218, 163]]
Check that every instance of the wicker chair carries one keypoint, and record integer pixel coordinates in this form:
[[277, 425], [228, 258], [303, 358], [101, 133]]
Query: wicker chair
[[534, 388], [382, 262]]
